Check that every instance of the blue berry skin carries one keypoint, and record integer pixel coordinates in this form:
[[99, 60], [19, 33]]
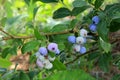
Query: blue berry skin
[[57, 51], [96, 19], [72, 39], [92, 27], [82, 50], [43, 51]]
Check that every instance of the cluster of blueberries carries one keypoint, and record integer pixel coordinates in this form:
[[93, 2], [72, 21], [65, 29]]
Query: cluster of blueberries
[[78, 42], [43, 58], [95, 21]]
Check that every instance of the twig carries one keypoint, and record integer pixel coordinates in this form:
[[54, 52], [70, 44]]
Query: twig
[[88, 52], [6, 33]]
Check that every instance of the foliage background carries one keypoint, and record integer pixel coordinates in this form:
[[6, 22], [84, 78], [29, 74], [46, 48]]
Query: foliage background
[[25, 25]]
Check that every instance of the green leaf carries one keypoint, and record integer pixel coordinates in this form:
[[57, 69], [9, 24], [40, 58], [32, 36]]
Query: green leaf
[[8, 75], [23, 76], [79, 3], [35, 11], [27, 2], [116, 77], [59, 27], [98, 3], [48, 1], [58, 65], [114, 26], [104, 61], [70, 75], [37, 34], [106, 46], [103, 30], [29, 46], [61, 13], [93, 55], [4, 63], [5, 52], [78, 10]]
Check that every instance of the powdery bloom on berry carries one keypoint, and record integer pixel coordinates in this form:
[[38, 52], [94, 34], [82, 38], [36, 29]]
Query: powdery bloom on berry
[[57, 51], [52, 47], [80, 40], [83, 50], [43, 51], [72, 39], [76, 47], [39, 63], [92, 27], [96, 19], [83, 33], [47, 64]]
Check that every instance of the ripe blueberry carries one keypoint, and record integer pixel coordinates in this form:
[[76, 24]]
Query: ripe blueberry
[[52, 47], [82, 50], [96, 19], [92, 27], [43, 51], [72, 39]]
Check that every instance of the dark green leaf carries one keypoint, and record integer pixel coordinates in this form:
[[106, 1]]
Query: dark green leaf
[[29, 46], [73, 23], [35, 11], [71, 75], [106, 46], [32, 74], [5, 52], [114, 26], [61, 13], [37, 34], [104, 61], [103, 30], [48, 1], [79, 3], [58, 65], [98, 3], [78, 10], [116, 77], [93, 55], [24, 76], [27, 1]]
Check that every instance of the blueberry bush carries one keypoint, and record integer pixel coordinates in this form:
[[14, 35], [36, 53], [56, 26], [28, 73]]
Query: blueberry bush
[[59, 40]]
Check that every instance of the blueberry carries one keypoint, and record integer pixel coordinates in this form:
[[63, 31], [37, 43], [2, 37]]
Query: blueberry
[[76, 47], [80, 40], [82, 50], [52, 47], [57, 51], [72, 39], [43, 51], [92, 27], [83, 33], [96, 19]]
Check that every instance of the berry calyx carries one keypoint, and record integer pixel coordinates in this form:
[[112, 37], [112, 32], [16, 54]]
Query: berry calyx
[[52, 47], [43, 51], [76, 47], [72, 39], [80, 40]]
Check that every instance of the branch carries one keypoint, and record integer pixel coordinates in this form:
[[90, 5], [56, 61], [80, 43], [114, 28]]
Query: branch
[[77, 57], [11, 36], [88, 52]]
